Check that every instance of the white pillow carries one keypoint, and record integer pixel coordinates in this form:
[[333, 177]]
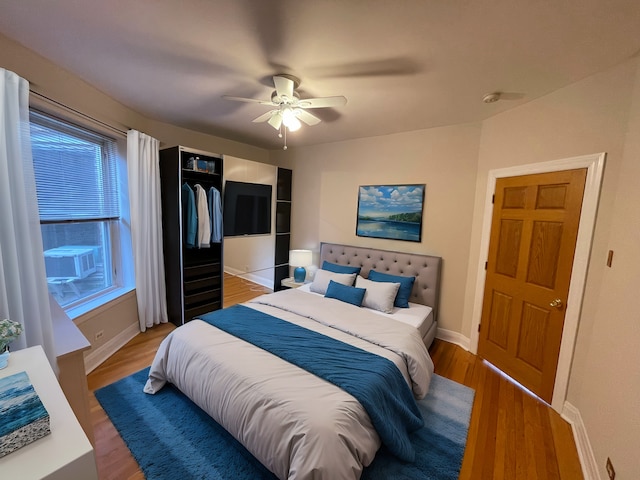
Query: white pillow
[[379, 295], [323, 277]]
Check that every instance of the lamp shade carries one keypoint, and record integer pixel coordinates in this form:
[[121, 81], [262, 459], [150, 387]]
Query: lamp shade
[[300, 258]]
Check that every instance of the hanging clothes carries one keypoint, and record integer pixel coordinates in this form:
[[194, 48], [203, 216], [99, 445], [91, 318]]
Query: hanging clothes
[[204, 226], [215, 212], [189, 216]]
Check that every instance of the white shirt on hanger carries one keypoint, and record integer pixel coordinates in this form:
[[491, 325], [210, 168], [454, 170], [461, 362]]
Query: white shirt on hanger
[[204, 226]]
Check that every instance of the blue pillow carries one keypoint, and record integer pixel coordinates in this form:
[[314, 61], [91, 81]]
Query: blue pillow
[[345, 293], [406, 285], [335, 268]]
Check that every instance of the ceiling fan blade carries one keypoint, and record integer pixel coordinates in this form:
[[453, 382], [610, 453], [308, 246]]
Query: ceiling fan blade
[[306, 117], [284, 86], [276, 120], [322, 102], [385, 67], [264, 117], [249, 100]]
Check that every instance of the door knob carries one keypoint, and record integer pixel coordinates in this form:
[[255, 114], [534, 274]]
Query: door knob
[[556, 303]]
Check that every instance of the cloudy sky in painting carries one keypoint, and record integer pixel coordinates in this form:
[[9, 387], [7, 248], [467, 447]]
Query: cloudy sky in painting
[[384, 200]]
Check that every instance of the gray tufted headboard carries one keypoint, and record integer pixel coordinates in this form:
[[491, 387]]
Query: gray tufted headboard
[[426, 268]]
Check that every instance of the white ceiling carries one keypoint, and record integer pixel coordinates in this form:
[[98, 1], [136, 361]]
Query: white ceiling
[[402, 64]]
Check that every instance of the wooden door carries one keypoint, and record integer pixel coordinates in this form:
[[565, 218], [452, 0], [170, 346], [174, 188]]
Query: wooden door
[[533, 238]]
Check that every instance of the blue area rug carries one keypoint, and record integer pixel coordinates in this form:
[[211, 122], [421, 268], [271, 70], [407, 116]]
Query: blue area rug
[[172, 438]]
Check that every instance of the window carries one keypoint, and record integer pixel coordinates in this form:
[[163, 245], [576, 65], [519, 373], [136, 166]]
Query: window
[[76, 173]]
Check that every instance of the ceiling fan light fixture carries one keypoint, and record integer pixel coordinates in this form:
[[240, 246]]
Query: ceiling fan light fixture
[[288, 109], [294, 125], [290, 120]]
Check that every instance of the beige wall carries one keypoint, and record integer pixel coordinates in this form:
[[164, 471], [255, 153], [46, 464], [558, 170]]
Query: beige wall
[[56, 83], [598, 114], [252, 256], [588, 117], [606, 383], [325, 196], [117, 320], [573, 121]]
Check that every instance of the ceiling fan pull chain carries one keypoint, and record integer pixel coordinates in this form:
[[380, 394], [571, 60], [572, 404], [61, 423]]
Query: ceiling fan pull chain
[[285, 138]]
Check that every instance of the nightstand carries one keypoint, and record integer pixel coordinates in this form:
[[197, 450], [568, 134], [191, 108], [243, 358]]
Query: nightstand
[[66, 452], [290, 283]]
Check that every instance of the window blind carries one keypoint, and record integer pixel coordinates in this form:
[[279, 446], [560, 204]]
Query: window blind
[[76, 172]]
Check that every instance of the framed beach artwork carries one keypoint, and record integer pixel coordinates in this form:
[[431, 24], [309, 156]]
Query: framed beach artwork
[[390, 211]]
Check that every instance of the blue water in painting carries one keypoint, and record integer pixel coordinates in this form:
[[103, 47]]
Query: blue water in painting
[[389, 229], [19, 403]]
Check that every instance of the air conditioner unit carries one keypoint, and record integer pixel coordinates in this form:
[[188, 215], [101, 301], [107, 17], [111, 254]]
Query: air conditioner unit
[[70, 262]]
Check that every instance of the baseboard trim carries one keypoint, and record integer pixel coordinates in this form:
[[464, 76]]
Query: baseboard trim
[[587, 459], [95, 357], [249, 276], [453, 337]]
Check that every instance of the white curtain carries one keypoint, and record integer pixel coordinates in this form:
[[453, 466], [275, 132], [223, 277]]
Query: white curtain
[[146, 228], [24, 296]]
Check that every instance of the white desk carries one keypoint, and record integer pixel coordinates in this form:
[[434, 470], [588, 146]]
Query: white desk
[[70, 347], [66, 453]]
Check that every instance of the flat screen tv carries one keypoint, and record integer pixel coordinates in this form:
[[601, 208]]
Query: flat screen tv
[[247, 209]]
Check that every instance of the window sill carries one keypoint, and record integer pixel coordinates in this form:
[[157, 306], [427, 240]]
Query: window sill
[[95, 304]]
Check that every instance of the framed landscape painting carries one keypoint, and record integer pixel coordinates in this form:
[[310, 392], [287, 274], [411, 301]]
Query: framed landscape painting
[[390, 211]]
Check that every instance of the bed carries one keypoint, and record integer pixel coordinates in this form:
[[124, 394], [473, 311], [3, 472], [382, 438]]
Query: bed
[[272, 371], [425, 268]]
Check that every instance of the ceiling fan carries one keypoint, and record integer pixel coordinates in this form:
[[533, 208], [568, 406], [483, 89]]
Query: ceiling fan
[[289, 109]]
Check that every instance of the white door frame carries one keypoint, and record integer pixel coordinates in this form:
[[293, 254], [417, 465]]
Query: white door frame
[[595, 170]]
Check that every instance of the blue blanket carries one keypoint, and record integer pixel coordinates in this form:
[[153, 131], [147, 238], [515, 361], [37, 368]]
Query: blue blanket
[[373, 380]]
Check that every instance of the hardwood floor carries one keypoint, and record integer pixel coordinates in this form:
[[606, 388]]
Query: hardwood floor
[[114, 461], [512, 435]]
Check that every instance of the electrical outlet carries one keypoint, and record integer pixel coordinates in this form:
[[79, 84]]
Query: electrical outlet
[[99, 334], [610, 470]]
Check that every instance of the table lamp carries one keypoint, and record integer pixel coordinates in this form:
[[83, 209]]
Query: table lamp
[[300, 259]]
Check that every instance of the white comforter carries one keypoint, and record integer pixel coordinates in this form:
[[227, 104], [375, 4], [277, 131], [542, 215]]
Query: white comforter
[[298, 425]]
